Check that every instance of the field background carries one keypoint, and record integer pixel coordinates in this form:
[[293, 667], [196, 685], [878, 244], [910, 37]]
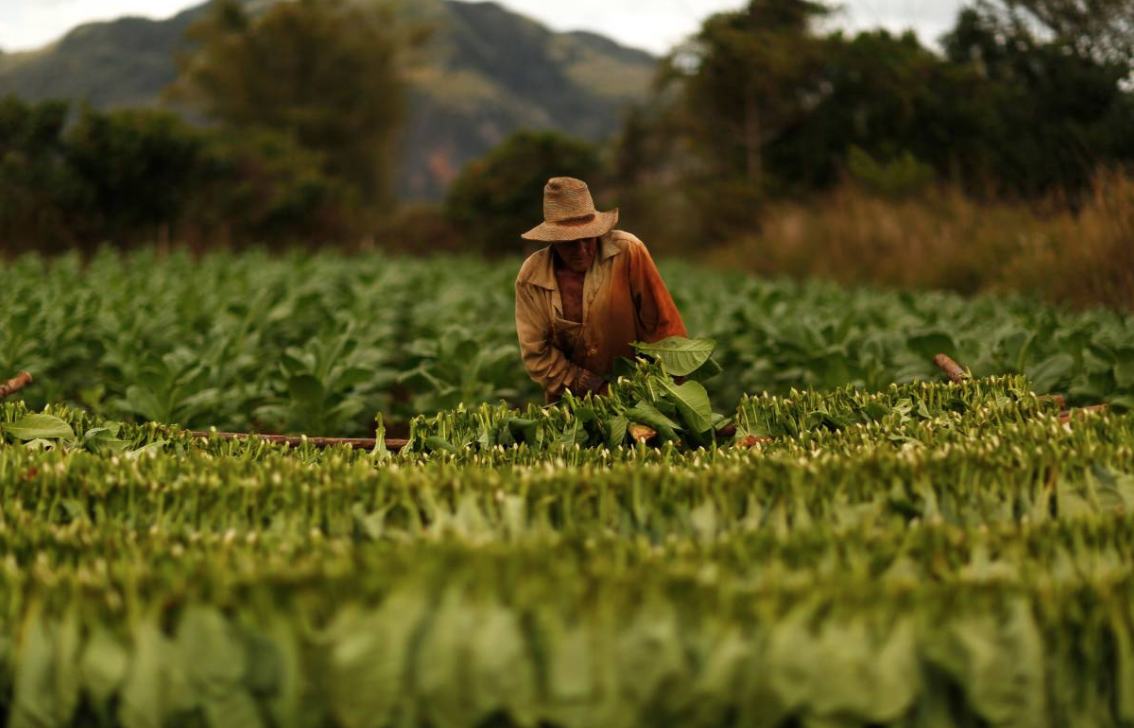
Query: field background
[[319, 343]]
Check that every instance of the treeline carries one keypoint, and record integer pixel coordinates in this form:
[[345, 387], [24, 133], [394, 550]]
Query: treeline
[[1026, 101], [301, 106], [142, 176], [1023, 103]]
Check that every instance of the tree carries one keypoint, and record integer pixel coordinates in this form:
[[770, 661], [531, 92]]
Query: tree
[[497, 198], [722, 101], [1101, 31], [325, 71], [40, 193], [140, 165], [1062, 99], [747, 77], [262, 187], [140, 175]]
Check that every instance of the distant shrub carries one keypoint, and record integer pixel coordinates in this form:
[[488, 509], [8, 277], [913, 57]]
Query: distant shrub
[[903, 176]]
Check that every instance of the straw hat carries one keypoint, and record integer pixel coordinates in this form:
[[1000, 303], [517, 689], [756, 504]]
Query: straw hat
[[569, 213]]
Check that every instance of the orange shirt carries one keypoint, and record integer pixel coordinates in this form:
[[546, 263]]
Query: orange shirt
[[624, 300]]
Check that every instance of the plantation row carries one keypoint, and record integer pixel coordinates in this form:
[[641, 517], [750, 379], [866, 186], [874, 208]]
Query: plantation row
[[1031, 472], [929, 554], [182, 340]]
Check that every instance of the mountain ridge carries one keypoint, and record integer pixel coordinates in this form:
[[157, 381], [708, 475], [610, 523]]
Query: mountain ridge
[[488, 72]]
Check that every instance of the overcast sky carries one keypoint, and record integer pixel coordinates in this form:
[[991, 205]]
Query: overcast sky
[[655, 25]]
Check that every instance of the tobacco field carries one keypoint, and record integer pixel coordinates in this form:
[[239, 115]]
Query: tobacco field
[[873, 546], [317, 344]]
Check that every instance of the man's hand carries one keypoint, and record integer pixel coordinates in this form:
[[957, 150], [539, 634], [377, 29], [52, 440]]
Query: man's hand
[[591, 382]]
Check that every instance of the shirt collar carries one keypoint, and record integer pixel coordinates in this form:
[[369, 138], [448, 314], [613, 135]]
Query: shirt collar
[[542, 274]]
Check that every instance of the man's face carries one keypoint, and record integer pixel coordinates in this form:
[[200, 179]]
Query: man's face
[[577, 255]]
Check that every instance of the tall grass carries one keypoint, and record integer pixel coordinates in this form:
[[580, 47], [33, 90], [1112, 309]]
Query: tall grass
[[945, 239]]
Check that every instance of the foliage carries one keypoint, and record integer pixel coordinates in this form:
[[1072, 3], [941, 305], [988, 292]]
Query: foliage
[[39, 189], [1099, 30], [237, 341], [143, 175], [325, 71], [1060, 107], [1030, 99], [138, 165], [485, 73], [956, 554], [498, 197], [644, 405], [902, 177], [750, 73]]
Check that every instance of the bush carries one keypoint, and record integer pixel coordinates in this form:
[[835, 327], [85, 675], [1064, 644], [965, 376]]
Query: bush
[[901, 177]]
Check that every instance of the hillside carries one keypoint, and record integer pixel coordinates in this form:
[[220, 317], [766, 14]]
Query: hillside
[[487, 72]]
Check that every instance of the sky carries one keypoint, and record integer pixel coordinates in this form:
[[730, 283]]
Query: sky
[[655, 25]]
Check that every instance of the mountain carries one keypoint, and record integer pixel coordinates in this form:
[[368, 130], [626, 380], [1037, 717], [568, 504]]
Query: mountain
[[487, 72]]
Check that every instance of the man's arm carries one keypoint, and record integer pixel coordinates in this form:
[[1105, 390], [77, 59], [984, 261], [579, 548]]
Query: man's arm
[[658, 317], [547, 365]]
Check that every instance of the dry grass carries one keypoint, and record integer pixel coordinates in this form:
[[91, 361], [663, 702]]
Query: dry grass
[[946, 240]]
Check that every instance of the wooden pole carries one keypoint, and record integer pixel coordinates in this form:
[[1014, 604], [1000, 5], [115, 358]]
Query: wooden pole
[[1081, 412], [15, 384], [951, 368], [358, 443]]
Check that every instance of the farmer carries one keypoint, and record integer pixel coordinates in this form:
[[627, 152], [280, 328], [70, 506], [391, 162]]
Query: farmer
[[583, 299]]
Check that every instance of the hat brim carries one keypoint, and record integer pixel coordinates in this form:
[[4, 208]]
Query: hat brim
[[563, 232]]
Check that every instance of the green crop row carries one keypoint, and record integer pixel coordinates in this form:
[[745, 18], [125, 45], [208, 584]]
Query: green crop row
[[317, 343], [602, 429], [940, 626], [923, 555]]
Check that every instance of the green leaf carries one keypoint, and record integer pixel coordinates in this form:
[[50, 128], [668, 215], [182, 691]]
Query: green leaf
[[706, 371], [525, 430], [305, 388], [875, 411], [144, 402], [143, 702], [153, 448], [622, 367], [692, 402], [1124, 370], [1122, 403], [616, 431], [46, 676], [103, 665], [369, 657], [574, 435], [434, 444], [214, 658], [680, 356], [104, 440], [500, 667], [1052, 372], [32, 427], [648, 415], [931, 343], [380, 452]]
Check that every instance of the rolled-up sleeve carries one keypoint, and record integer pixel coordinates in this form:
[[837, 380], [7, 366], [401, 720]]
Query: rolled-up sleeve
[[547, 366], [658, 317]]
